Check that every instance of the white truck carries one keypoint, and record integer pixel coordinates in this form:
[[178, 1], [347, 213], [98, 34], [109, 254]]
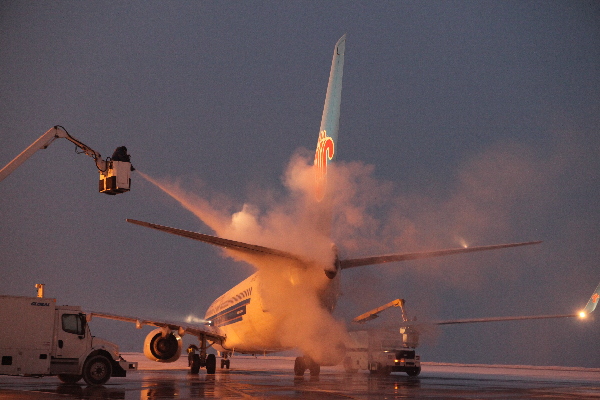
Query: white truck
[[38, 338], [380, 353]]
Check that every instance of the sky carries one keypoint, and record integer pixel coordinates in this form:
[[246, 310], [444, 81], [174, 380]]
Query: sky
[[461, 122]]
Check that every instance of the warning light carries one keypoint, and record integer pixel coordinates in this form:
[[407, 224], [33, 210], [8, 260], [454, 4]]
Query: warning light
[[582, 314]]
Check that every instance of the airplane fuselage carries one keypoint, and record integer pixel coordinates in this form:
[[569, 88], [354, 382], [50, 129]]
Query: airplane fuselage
[[251, 314]]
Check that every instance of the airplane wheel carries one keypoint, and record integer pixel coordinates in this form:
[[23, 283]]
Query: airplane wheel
[[414, 371], [315, 369], [299, 366], [195, 364], [211, 364], [227, 363], [312, 366]]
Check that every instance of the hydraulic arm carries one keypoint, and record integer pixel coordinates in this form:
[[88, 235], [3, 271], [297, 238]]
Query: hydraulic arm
[[114, 172]]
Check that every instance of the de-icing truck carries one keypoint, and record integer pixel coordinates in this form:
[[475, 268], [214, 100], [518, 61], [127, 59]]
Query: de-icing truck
[[382, 352], [39, 337]]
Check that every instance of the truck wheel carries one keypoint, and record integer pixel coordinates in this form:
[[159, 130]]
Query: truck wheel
[[68, 378], [195, 364], [414, 371], [97, 370], [211, 364]]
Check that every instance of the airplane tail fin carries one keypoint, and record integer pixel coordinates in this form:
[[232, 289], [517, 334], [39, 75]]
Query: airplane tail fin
[[593, 302], [330, 121]]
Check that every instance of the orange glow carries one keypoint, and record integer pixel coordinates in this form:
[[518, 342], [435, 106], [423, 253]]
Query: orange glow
[[324, 153]]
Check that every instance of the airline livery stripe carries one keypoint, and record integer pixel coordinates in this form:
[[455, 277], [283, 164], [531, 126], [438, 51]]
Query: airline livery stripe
[[242, 295], [229, 318], [230, 315], [228, 309], [231, 321]]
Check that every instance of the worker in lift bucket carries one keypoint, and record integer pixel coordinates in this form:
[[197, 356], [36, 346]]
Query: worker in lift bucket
[[120, 154]]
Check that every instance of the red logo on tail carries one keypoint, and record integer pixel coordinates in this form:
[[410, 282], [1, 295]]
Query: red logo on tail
[[324, 153], [595, 297]]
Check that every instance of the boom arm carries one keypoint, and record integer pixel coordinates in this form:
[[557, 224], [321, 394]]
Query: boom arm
[[110, 183], [374, 313], [44, 141]]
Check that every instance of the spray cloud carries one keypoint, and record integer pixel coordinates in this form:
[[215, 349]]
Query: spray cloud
[[368, 217]]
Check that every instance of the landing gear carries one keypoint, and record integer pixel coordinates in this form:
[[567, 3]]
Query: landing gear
[[195, 364], [211, 364], [193, 359], [225, 361], [196, 361], [306, 363]]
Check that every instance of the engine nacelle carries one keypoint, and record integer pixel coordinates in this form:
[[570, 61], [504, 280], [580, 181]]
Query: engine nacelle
[[162, 348]]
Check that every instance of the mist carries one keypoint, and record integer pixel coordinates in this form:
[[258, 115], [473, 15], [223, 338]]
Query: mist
[[492, 192], [292, 292]]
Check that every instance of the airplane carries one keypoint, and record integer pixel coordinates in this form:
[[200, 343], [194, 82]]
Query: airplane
[[287, 302]]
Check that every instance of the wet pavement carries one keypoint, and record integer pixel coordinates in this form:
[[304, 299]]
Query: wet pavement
[[273, 378]]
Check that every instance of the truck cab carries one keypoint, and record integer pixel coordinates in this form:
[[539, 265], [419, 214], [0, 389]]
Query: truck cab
[[39, 338]]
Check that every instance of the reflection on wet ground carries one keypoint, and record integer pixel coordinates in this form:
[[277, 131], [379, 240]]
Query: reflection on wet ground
[[275, 380]]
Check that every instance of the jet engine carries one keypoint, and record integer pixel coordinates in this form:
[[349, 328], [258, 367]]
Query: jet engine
[[162, 347]]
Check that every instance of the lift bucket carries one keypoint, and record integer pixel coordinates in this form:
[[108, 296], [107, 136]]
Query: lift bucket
[[116, 179]]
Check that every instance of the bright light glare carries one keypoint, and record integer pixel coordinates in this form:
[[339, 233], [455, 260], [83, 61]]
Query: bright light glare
[[582, 314]]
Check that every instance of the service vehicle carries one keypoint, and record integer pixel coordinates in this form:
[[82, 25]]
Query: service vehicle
[[39, 338], [380, 352]]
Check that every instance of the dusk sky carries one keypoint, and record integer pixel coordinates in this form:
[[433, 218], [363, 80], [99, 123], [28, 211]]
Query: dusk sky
[[471, 122]]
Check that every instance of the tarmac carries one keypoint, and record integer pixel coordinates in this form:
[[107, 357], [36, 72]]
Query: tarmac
[[273, 378]]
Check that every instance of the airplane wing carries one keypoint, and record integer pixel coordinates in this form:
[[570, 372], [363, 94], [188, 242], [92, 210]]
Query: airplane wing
[[370, 315], [587, 310], [344, 264], [217, 241], [359, 262], [211, 333], [493, 319]]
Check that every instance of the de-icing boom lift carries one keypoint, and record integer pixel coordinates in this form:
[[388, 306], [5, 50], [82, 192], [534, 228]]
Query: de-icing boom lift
[[114, 171]]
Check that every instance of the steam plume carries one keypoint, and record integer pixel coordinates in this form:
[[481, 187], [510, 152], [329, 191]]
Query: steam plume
[[369, 217]]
